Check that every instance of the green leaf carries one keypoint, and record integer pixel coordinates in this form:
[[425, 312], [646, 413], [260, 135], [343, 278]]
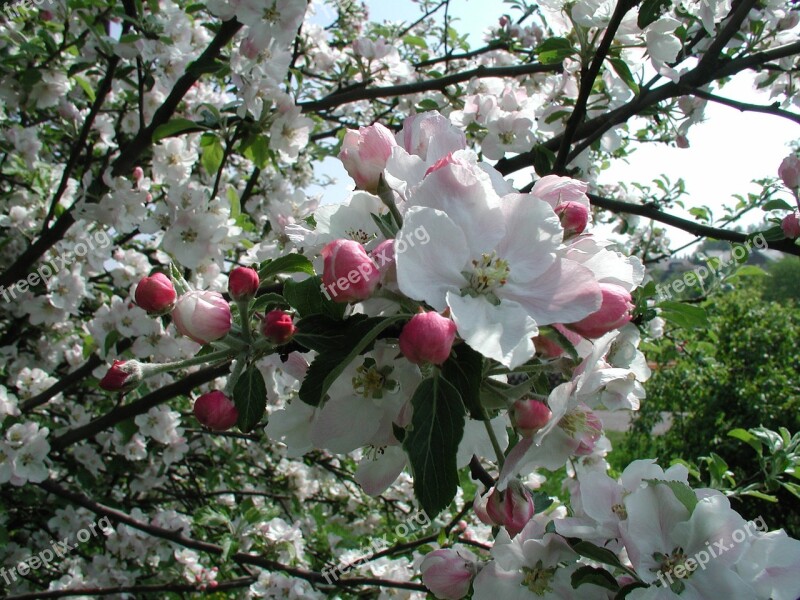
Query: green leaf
[[541, 502], [684, 315], [623, 70], [431, 443], [748, 271], [746, 437], [683, 492], [428, 104], [776, 205], [85, 86], [306, 298], [174, 127], [328, 366], [266, 300], [415, 40], [250, 397], [289, 263], [793, 488], [213, 153], [554, 50], [650, 11], [594, 575], [596, 553], [543, 159], [761, 495], [324, 334], [464, 369]]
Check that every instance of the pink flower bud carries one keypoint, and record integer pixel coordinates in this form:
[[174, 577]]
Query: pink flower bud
[[364, 154], [123, 376], [215, 411], [574, 217], [511, 508], [243, 283], [682, 141], [613, 313], [791, 226], [138, 173], [555, 190], [427, 337], [789, 172], [349, 274], [530, 416], [278, 326], [155, 294], [203, 316], [503, 21], [45, 15], [448, 573]]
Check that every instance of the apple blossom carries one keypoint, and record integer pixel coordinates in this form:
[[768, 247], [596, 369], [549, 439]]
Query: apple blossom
[[613, 313], [512, 507], [448, 573], [364, 154], [349, 273], [216, 411], [278, 326], [791, 226], [574, 217], [203, 316], [529, 415], [789, 172], [427, 337], [122, 376], [155, 293], [243, 283]]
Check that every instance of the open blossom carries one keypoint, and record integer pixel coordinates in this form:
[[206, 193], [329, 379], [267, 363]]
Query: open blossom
[[495, 262]]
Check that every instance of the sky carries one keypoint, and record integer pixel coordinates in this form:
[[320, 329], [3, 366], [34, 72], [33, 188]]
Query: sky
[[727, 151]]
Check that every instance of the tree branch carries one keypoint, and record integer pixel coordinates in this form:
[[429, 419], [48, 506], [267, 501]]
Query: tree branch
[[770, 109], [650, 212], [337, 99], [588, 77], [142, 405], [241, 558]]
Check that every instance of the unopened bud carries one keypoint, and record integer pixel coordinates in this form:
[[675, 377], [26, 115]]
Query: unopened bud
[[278, 326], [216, 411], [427, 337]]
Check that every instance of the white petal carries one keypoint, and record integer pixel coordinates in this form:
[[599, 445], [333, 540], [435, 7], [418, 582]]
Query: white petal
[[375, 476], [502, 332], [346, 423], [428, 271], [533, 233]]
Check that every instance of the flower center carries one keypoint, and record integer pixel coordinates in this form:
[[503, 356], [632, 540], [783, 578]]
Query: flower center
[[669, 563], [507, 138], [488, 274], [371, 382], [538, 580], [358, 235]]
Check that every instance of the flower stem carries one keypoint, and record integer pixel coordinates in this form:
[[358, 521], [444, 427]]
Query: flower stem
[[155, 369], [493, 438]]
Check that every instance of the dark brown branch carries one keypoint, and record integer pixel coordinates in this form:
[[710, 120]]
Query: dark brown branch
[[241, 558], [337, 99], [588, 76], [650, 212], [177, 588], [142, 405], [770, 109]]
